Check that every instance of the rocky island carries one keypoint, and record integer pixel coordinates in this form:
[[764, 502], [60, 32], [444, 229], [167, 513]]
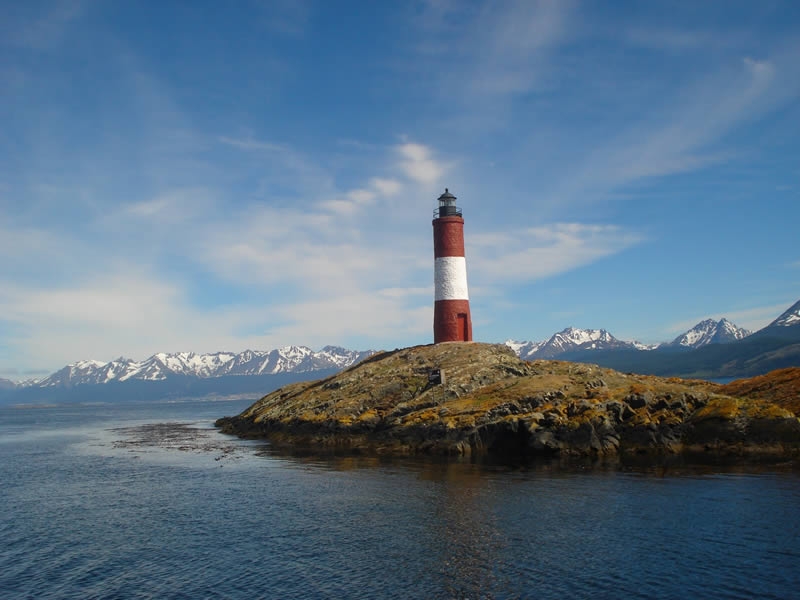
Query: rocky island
[[491, 401]]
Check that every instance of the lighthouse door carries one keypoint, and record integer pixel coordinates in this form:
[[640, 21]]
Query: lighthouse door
[[462, 326]]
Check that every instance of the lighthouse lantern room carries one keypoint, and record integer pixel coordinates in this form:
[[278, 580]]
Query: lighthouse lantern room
[[451, 316]]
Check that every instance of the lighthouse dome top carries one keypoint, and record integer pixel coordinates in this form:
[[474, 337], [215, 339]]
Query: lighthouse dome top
[[447, 206], [447, 197]]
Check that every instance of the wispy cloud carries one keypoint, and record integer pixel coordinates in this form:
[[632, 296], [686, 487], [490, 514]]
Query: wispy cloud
[[500, 50], [683, 134], [419, 164], [168, 208], [516, 41], [281, 167], [540, 252], [251, 144], [374, 316], [138, 313], [357, 199]]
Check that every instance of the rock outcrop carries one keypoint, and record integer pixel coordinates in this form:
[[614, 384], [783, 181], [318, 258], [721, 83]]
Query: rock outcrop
[[493, 402]]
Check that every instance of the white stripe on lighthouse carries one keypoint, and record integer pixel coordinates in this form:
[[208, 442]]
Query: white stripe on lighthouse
[[450, 278]]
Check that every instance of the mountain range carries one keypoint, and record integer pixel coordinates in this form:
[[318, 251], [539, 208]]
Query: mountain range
[[571, 340], [709, 349], [183, 374], [289, 359]]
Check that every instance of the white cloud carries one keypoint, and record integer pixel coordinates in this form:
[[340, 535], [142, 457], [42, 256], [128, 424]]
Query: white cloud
[[375, 316], [406, 292], [418, 164], [357, 199], [134, 313], [169, 207], [111, 302], [361, 196], [386, 187], [535, 253], [42, 253], [311, 252]]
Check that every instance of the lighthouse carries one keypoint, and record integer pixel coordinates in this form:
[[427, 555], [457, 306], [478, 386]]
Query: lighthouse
[[451, 318]]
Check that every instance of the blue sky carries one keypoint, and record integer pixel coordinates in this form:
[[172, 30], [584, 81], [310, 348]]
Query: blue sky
[[202, 176]]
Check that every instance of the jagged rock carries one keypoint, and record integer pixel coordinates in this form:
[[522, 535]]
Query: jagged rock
[[638, 400], [544, 441], [619, 411]]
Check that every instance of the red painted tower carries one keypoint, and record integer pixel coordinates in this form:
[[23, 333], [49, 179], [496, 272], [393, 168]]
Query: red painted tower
[[451, 318]]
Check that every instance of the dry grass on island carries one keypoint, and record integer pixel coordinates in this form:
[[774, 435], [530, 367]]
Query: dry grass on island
[[494, 402]]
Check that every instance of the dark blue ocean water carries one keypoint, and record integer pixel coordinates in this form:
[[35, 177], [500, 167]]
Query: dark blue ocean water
[[95, 504]]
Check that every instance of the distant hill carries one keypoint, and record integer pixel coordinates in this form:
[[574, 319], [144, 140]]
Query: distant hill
[[781, 387]]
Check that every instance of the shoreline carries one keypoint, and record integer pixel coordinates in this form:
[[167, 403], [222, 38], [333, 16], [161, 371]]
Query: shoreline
[[507, 443]]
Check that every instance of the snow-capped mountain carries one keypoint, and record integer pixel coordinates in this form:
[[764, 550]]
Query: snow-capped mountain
[[301, 359], [525, 350], [788, 318], [710, 331], [572, 339], [289, 359]]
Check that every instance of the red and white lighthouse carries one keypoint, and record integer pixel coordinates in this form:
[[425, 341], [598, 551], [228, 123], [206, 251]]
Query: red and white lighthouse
[[451, 318]]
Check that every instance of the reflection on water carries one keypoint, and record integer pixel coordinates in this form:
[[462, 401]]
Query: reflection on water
[[137, 502]]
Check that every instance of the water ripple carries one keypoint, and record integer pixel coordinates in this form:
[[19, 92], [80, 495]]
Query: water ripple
[[93, 520]]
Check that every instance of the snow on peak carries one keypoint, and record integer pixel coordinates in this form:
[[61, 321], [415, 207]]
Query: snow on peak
[[164, 365], [710, 331], [571, 339], [525, 350], [515, 345], [789, 318]]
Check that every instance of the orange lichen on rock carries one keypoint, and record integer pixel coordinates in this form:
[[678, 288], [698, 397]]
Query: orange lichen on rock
[[781, 387]]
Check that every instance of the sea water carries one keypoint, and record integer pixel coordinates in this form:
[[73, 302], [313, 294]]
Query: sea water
[[96, 502]]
